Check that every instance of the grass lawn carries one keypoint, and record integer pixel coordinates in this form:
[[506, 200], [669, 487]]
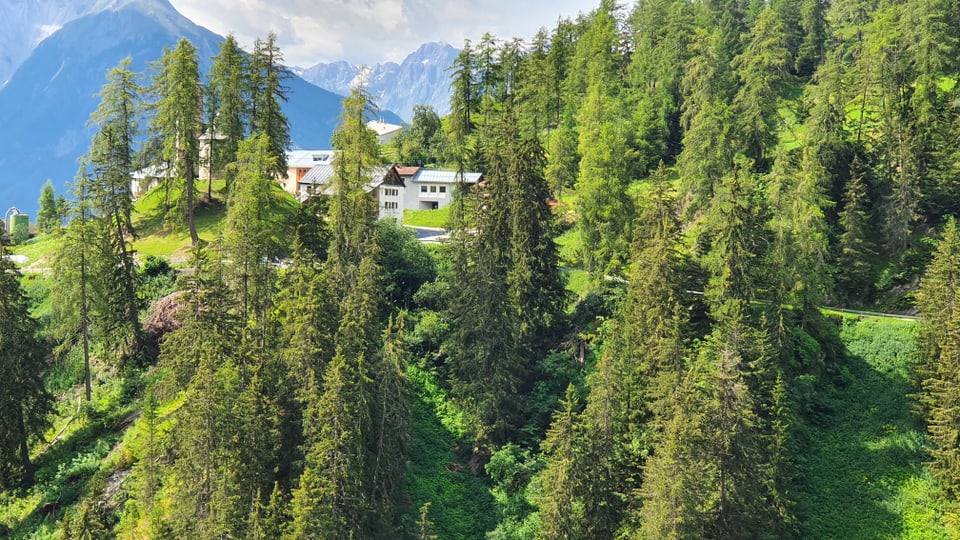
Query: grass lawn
[[163, 235], [436, 219]]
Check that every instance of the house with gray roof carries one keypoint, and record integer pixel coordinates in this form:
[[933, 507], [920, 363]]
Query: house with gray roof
[[431, 189], [386, 187], [394, 188]]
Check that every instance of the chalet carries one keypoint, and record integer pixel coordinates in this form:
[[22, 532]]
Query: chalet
[[394, 188], [386, 188]]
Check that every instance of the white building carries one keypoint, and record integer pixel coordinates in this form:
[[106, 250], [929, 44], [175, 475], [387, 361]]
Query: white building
[[429, 189], [386, 187], [394, 188], [299, 163], [385, 132]]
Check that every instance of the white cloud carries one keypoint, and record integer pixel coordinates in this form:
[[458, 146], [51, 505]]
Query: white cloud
[[372, 31]]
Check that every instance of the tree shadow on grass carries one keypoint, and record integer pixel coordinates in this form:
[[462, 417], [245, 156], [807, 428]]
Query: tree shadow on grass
[[461, 504], [853, 465]]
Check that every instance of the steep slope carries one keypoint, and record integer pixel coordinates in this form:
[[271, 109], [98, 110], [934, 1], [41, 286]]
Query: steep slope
[[46, 104], [25, 24], [421, 78]]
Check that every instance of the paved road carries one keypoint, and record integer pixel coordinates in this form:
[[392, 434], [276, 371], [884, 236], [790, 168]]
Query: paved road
[[428, 234]]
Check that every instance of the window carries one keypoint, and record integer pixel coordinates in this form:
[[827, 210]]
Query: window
[[443, 189], [390, 205], [433, 189], [391, 192], [423, 189]]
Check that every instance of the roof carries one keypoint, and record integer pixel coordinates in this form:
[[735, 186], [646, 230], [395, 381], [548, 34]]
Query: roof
[[383, 128], [407, 171], [300, 159], [152, 171], [322, 175], [430, 176]]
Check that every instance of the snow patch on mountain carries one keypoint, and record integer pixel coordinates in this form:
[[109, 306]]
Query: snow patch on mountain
[[421, 79]]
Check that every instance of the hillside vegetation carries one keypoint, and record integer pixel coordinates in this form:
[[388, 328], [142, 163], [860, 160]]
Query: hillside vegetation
[[625, 336]]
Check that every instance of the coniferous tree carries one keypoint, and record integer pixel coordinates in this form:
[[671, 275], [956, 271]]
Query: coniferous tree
[[463, 103], [558, 495], [255, 234], [606, 209], [25, 402], [72, 272], [266, 74], [661, 32], [706, 117], [812, 50], [733, 227], [855, 248], [799, 249], [176, 124], [331, 500], [392, 425], [352, 211], [227, 105], [111, 164], [535, 286], [940, 350], [762, 68], [48, 217]]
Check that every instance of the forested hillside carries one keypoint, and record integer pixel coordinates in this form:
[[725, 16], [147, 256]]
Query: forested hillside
[[627, 335]]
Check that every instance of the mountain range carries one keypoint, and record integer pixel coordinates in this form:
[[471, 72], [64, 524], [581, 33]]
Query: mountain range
[[47, 100], [420, 79]]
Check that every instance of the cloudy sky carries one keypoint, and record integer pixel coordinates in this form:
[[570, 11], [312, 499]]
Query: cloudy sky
[[372, 31]]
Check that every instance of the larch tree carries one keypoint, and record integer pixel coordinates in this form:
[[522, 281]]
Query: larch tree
[[227, 105], [266, 75], [70, 316], [762, 68], [111, 165], [177, 123], [352, 211], [255, 230], [463, 103], [606, 208]]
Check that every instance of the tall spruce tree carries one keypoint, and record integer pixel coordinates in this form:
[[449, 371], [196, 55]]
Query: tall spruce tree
[[559, 484], [940, 350]]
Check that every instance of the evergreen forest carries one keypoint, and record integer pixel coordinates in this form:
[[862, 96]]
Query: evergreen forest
[[707, 289]]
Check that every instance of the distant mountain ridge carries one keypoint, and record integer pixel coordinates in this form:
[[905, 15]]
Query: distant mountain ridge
[[45, 105], [422, 78], [24, 24]]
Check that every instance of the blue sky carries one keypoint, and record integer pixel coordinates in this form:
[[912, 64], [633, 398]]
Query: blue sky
[[372, 31]]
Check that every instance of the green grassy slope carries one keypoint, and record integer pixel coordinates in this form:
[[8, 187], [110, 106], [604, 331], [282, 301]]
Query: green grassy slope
[[860, 466]]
